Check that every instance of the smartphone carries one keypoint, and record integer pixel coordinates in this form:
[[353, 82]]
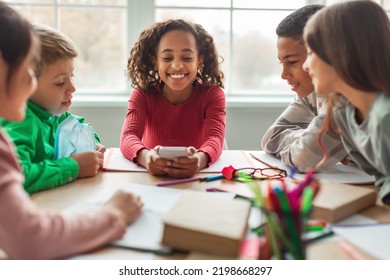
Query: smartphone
[[171, 153]]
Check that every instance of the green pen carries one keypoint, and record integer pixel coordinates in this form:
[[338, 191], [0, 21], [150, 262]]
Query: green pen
[[258, 231], [307, 198], [273, 228], [314, 228], [291, 226], [314, 236]]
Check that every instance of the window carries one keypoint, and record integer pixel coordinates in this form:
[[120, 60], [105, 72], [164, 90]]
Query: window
[[105, 30], [98, 28], [244, 32]]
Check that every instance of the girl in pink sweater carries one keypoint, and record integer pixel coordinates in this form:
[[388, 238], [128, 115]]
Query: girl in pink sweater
[[177, 100], [25, 231]]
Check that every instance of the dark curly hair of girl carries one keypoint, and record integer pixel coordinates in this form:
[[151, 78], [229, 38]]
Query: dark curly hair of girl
[[141, 68]]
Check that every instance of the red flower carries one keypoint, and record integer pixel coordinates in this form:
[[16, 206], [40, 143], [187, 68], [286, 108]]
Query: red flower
[[228, 172]]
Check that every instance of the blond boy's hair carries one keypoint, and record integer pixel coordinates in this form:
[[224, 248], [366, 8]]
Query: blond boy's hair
[[55, 45]]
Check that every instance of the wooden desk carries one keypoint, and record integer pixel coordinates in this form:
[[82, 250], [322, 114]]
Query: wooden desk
[[65, 196], [59, 198]]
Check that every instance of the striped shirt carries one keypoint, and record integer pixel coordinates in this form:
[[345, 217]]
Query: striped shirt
[[294, 135]]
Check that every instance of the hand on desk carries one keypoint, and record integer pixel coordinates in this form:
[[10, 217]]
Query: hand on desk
[[89, 163], [125, 205], [183, 167], [100, 148]]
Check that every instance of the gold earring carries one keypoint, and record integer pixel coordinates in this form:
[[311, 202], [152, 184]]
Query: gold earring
[[200, 70]]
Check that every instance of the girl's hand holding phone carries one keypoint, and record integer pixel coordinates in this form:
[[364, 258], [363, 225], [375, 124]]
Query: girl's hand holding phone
[[171, 153], [176, 162], [185, 167], [150, 159]]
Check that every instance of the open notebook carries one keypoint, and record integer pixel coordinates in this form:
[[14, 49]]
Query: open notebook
[[145, 233], [115, 161]]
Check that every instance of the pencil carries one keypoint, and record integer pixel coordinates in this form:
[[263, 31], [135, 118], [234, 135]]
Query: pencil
[[350, 251], [263, 162], [186, 180], [177, 181]]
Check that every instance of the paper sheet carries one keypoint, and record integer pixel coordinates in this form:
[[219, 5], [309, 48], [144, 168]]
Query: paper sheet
[[372, 238], [236, 158], [115, 161], [347, 174], [146, 232]]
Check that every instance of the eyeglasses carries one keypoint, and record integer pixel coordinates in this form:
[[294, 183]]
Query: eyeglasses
[[260, 173]]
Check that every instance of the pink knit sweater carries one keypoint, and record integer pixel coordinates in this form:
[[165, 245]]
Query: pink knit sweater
[[28, 233]]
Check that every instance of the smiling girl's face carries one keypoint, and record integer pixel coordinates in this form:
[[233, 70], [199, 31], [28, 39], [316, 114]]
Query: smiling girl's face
[[177, 61], [324, 76]]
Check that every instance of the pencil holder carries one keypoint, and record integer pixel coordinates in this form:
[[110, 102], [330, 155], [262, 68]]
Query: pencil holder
[[285, 209], [284, 233]]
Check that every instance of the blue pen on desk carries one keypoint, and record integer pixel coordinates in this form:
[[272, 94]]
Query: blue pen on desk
[[293, 170], [212, 178]]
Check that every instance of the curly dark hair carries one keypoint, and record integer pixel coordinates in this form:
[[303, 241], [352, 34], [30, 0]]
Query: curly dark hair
[[141, 67]]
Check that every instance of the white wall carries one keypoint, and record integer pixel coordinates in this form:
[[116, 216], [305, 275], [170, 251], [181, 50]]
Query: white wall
[[245, 126]]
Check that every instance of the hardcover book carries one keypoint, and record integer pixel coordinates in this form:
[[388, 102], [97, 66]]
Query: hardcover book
[[336, 201], [203, 222]]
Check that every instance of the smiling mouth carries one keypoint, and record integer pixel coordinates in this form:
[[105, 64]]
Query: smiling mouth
[[177, 76], [293, 86]]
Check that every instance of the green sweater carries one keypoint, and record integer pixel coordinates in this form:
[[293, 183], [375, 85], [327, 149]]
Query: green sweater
[[34, 139]]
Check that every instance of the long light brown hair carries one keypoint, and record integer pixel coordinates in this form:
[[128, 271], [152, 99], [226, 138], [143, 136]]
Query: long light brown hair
[[16, 39], [354, 38]]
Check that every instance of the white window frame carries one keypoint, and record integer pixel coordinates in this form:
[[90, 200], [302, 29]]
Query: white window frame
[[140, 15]]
